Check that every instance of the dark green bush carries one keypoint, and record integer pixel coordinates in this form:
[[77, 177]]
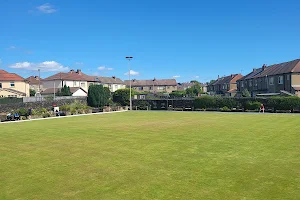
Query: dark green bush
[[252, 105]]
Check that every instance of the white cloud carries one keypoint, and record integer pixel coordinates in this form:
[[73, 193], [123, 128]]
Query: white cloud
[[78, 63], [11, 48], [47, 66], [176, 76], [46, 8], [196, 77], [102, 68], [132, 73]]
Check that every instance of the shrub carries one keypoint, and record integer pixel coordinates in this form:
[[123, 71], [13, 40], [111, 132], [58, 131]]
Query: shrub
[[22, 112], [121, 96], [225, 109], [45, 115], [252, 105], [205, 102]]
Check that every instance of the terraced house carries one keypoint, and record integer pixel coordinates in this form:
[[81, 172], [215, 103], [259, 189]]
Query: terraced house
[[113, 83], [13, 85], [273, 79], [78, 79], [154, 85], [226, 86]]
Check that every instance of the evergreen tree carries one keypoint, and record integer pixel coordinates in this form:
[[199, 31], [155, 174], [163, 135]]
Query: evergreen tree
[[98, 96]]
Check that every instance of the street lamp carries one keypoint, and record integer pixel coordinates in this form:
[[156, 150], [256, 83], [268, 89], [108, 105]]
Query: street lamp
[[39, 80], [129, 58]]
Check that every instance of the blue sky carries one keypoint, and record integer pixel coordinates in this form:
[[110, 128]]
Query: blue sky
[[190, 39]]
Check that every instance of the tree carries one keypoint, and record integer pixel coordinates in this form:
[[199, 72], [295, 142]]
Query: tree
[[194, 90], [98, 96], [32, 92], [246, 93], [65, 91], [211, 81], [178, 93], [121, 96]]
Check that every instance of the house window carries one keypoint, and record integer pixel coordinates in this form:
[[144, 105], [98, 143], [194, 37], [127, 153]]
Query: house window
[[82, 84], [140, 88], [280, 79], [150, 88], [288, 77], [271, 81], [242, 84], [160, 88], [12, 84], [250, 83], [74, 83], [0, 85], [255, 82]]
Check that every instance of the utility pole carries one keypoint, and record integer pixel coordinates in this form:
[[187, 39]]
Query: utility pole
[[39, 80], [129, 58]]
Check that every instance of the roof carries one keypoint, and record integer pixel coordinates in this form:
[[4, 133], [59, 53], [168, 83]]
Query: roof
[[281, 68], [80, 76], [155, 82], [71, 76], [34, 80], [228, 79], [109, 80], [51, 90], [13, 91], [251, 74], [5, 76]]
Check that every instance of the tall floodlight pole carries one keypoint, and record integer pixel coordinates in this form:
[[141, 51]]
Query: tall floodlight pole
[[39, 80], [129, 58]]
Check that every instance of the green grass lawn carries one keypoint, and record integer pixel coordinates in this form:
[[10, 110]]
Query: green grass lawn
[[152, 155]]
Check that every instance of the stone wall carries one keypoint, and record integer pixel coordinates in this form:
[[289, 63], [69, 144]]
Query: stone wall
[[5, 108]]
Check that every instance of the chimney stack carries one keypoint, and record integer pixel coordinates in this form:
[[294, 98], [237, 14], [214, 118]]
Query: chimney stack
[[218, 77], [113, 77], [72, 70], [264, 67], [78, 71]]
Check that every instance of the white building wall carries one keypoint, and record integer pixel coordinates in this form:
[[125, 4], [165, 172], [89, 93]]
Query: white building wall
[[79, 93], [59, 84]]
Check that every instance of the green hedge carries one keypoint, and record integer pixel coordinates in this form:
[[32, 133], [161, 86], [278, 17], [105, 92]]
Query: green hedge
[[274, 103], [9, 100]]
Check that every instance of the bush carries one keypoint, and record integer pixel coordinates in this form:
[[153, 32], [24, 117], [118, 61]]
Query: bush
[[252, 105], [22, 112], [121, 96], [225, 109], [205, 102], [45, 115], [284, 103]]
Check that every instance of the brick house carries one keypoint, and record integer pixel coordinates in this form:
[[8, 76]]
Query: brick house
[[226, 86], [277, 78], [35, 83], [155, 85]]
